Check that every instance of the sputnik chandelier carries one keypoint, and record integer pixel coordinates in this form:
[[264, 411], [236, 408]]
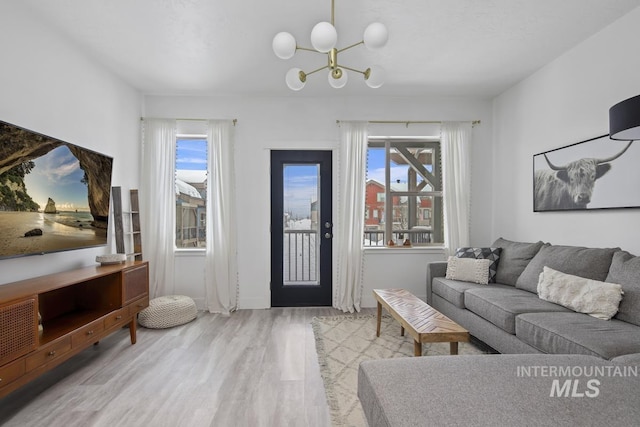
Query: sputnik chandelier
[[323, 39]]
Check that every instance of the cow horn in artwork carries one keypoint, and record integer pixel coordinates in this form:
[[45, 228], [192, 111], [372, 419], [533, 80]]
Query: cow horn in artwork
[[598, 161], [609, 159]]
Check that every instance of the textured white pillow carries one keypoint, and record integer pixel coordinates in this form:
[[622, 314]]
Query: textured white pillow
[[597, 299], [468, 269]]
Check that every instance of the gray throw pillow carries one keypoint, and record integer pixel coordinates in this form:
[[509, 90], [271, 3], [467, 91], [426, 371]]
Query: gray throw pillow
[[514, 257], [625, 271], [590, 263]]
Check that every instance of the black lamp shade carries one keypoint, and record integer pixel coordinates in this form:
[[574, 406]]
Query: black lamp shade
[[624, 120]]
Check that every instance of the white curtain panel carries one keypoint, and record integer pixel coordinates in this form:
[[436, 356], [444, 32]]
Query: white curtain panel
[[157, 203], [455, 140], [221, 271], [350, 224]]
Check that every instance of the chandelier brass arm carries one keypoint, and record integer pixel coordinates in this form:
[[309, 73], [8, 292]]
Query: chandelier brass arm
[[350, 46], [307, 49], [366, 72]]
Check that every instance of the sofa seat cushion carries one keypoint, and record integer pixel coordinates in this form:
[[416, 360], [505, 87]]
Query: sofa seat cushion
[[501, 306], [453, 290], [577, 333], [590, 263]]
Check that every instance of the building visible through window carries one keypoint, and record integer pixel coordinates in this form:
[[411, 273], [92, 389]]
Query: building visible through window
[[191, 192], [407, 173]]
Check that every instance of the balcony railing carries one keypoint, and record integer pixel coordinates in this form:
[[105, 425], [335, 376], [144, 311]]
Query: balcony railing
[[300, 247], [300, 259], [190, 236], [415, 236]]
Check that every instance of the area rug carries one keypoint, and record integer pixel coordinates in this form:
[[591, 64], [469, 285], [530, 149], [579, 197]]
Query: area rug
[[342, 342]]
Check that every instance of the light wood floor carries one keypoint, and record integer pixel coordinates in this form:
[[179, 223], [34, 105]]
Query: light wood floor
[[254, 368]]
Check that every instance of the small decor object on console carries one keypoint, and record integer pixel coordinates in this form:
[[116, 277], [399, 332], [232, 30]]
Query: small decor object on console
[[168, 311], [111, 259]]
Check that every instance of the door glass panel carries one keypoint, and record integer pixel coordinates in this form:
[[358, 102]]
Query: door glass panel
[[301, 239]]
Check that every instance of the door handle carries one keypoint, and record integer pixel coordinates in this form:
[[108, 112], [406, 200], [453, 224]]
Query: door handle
[[328, 225], [327, 235]]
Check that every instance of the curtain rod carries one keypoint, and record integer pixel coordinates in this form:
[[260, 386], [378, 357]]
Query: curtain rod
[[408, 122], [184, 120]]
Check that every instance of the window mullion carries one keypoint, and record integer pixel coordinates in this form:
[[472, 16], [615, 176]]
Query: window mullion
[[388, 201]]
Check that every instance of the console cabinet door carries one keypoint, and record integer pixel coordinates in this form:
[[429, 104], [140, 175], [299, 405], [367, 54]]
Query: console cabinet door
[[18, 328], [135, 283]]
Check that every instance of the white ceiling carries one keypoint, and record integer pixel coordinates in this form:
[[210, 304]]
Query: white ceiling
[[223, 47]]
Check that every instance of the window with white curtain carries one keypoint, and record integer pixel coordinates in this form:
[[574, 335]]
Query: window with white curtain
[[407, 173], [191, 191]]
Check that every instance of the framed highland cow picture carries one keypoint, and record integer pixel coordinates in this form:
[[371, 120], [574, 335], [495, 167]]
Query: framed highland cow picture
[[598, 173]]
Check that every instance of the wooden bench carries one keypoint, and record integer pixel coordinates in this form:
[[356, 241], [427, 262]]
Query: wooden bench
[[423, 322]]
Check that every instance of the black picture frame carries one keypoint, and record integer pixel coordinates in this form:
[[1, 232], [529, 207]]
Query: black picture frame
[[598, 173]]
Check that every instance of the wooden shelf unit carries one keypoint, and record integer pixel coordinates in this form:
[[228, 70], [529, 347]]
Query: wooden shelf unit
[[77, 308], [135, 225], [127, 223]]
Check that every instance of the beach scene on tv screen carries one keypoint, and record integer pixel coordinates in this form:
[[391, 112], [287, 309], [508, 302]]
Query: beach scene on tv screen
[[54, 196]]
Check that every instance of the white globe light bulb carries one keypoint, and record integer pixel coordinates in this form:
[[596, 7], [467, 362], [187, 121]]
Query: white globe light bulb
[[375, 36], [338, 83], [293, 79], [284, 45], [323, 37], [376, 77]]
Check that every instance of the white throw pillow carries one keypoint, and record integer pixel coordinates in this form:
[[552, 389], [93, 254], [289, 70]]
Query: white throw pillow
[[468, 269], [592, 297]]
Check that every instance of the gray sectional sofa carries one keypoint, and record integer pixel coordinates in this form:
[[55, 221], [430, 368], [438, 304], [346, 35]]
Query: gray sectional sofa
[[509, 316]]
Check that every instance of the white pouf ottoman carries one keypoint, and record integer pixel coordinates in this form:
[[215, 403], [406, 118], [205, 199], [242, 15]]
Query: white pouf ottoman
[[168, 311]]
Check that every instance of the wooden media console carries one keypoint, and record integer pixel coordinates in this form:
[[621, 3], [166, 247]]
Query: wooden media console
[[76, 310]]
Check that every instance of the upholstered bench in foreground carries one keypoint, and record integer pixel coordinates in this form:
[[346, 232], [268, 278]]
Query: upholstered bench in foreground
[[501, 390]]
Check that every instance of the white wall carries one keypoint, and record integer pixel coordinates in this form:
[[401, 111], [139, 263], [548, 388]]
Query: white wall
[[565, 102], [47, 85], [298, 122]]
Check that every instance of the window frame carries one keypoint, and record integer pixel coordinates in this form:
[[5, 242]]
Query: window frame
[[190, 136], [434, 143]]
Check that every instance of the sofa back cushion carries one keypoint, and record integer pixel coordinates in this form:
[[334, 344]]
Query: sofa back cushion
[[590, 263], [625, 270], [514, 257]]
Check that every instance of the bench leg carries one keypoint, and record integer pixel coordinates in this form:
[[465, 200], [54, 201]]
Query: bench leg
[[401, 330], [453, 348], [417, 348], [379, 318]]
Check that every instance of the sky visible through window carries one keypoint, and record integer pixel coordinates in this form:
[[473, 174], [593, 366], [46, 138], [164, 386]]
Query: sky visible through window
[[300, 189], [191, 154], [376, 165]]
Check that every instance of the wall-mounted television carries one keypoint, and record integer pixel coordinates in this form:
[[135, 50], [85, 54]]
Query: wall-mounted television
[[54, 195]]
